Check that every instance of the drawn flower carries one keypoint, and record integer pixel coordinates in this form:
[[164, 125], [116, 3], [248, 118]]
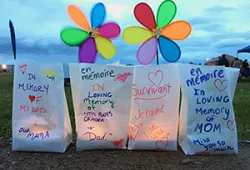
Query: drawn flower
[[158, 31], [91, 39]]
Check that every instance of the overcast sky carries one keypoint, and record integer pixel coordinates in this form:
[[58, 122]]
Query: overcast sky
[[219, 26]]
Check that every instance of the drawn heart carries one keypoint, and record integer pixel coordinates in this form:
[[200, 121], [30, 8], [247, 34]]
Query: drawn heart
[[220, 85], [122, 77], [162, 144], [32, 98], [231, 125], [23, 68], [118, 143], [156, 78], [22, 71], [133, 132]]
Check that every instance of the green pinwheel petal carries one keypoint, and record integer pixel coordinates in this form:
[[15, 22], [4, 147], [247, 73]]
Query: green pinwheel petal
[[166, 13], [73, 36]]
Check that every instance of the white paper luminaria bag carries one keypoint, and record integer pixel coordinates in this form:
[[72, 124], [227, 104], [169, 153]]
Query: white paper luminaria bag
[[207, 121], [102, 99], [232, 76], [155, 108], [40, 119]]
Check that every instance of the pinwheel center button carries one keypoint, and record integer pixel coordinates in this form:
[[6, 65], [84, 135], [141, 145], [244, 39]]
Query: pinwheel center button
[[157, 32], [93, 32]]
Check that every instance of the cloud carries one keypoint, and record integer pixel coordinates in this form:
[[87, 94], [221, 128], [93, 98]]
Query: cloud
[[234, 42], [36, 47], [220, 9]]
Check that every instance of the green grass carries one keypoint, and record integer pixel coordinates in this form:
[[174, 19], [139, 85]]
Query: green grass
[[241, 106]]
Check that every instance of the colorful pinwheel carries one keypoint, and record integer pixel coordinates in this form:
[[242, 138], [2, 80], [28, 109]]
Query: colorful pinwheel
[[157, 32], [91, 39]]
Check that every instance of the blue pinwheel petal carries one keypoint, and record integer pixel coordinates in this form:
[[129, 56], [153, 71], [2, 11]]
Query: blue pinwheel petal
[[170, 51], [98, 14]]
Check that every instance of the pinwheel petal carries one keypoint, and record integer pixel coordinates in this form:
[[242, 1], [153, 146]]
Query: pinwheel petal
[[166, 13], [78, 17], [73, 36], [87, 51], [147, 51], [178, 30], [105, 47], [98, 14], [136, 35], [144, 15], [109, 30], [170, 51]]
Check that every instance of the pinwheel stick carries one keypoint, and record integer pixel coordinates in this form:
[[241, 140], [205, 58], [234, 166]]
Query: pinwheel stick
[[157, 58]]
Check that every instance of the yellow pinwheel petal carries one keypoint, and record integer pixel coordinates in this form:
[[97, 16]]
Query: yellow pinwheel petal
[[136, 35], [105, 47]]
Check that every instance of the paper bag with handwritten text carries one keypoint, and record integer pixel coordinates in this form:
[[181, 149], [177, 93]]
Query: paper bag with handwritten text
[[207, 121], [40, 119], [102, 102], [155, 108]]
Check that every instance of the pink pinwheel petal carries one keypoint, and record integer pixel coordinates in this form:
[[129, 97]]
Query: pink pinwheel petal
[[147, 51], [109, 30], [87, 51]]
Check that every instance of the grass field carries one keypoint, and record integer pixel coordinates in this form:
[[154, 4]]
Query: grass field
[[241, 107]]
